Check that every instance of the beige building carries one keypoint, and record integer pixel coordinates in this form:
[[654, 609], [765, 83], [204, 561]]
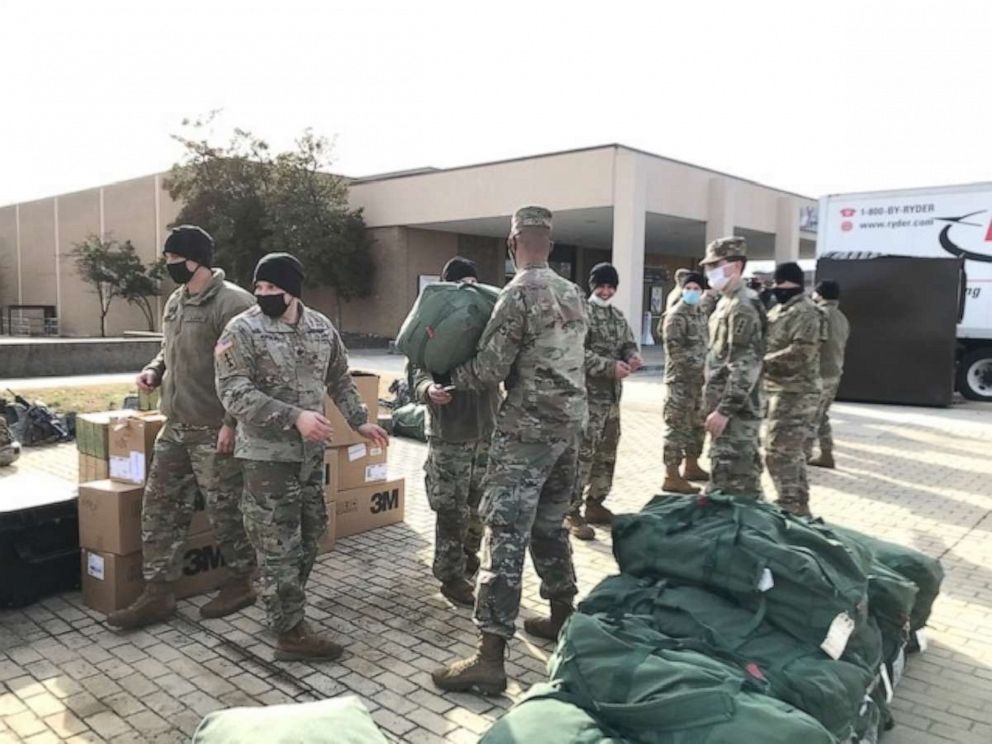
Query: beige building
[[648, 214]]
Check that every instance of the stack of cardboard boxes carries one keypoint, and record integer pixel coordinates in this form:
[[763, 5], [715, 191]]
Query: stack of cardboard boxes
[[115, 452], [358, 492]]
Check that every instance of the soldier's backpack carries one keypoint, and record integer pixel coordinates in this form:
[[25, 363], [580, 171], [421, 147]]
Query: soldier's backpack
[[410, 421], [796, 574], [444, 326]]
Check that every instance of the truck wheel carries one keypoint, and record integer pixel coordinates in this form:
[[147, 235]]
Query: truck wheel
[[975, 375]]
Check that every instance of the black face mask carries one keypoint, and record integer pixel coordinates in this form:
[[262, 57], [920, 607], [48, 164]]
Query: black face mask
[[179, 273], [272, 305], [784, 294]]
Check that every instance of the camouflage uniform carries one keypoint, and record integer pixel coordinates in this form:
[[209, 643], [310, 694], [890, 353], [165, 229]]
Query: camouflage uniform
[[534, 341], [685, 338], [458, 436], [733, 382], [831, 369], [609, 339], [186, 463], [792, 382], [268, 373], [10, 450]]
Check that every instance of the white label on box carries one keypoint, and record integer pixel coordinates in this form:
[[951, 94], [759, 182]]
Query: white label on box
[[120, 467], [836, 641], [137, 467], [356, 452], [375, 451], [376, 472], [94, 565]]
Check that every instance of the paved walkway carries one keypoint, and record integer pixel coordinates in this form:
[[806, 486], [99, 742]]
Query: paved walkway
[[917, 476]]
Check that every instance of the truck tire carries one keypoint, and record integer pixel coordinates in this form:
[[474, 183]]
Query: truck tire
[[975, 375]]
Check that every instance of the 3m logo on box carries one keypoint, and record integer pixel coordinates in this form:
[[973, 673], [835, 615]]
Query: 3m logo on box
[[198, 560], [384, 501]]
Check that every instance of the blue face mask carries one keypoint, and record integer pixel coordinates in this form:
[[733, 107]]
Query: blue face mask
[[692, 296]]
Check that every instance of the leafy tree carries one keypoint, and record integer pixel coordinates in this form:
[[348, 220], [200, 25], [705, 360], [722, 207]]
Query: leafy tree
[[253, 202], [115, 270]]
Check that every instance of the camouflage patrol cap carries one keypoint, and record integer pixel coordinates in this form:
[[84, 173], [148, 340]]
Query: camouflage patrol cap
[[731, 247], [530, 216]]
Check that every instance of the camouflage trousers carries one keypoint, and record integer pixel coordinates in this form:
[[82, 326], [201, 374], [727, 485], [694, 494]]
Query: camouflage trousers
[[789, 418], [285, 515], [735, 460], [526, 494], [683, 416], [820, 428], [8, 451], [453, 476], [598, 453], [186, 467]]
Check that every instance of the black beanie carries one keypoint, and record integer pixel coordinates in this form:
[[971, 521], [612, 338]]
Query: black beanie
[[603, 273], [828, 289], [790, 272], [457, 269], [696, 278], [282, 269], [191, 242]]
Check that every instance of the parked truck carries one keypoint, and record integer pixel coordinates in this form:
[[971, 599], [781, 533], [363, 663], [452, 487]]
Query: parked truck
[[927, 222]]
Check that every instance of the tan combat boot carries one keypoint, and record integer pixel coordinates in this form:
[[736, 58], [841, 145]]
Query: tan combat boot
[[692, 471], [301, 643], [825, 460], [233, 596], [483, 672], [156, 604], [578, 528], [675, 483], [596, 513], [459, 591], [549, 627]]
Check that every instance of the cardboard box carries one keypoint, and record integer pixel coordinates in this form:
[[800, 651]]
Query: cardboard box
[[368, 388], [202, 566], [330, 473], [360, 465], [130, 444], [110, 516], [92, 432], [200, 521], [363, 509], [110, 582], [326, 542], [92, 468], [149, 401]]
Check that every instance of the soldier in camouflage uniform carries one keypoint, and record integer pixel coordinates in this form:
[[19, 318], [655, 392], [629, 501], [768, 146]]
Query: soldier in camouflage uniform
[[192, 453], [10, 449], [796, 327], [274, 364], [675, 294], [534, 342], [459, 427], [611, 355], [827, 297], [733, 395], [685, 338]]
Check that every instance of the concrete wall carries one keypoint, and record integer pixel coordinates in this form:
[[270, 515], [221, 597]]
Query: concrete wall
[[82, 357], [8, 256]]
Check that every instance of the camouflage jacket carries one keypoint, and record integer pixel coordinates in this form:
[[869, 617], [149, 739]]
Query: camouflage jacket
[[686, 337], [470, 415], [191, 325], [269, 372], [736, 348], [535, 342], [792, 358], [609, 339], [832, 349]]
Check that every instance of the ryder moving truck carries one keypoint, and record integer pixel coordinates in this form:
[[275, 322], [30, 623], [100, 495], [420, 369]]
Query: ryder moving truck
[[931, 223]]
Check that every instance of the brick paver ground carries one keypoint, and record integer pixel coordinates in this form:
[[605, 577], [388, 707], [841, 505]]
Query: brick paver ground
[[920, 477]]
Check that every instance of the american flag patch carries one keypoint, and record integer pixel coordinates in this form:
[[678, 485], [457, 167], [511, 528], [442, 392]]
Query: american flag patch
[[223, 345]]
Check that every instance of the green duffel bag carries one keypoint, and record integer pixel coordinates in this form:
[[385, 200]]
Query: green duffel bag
[[654, 689], [806, 581], [409, 421], [925, 572], [540, 717], [832, 691], [342, 720], [444, 326]]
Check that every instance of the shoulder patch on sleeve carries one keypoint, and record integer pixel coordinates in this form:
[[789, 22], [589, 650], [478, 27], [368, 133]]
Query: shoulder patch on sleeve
[[223, 345]]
